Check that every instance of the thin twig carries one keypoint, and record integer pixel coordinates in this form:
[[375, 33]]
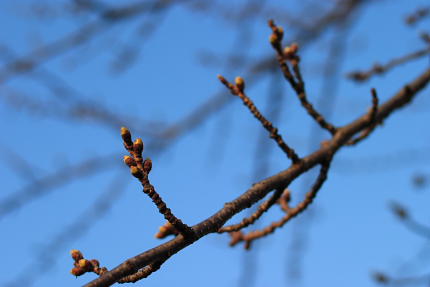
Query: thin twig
[[238, 90], [292, 212], [372, 120], [379, 69], [296, 81], [140, 169], [144, 272], [256, 215]]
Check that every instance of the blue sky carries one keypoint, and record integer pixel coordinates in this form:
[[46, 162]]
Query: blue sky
[[349, 230]]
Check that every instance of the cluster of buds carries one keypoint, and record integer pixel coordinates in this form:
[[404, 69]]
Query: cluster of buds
[[82, 265], [138, 167], [289, 52]]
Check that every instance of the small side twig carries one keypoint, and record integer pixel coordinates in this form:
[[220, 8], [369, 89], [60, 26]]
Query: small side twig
[[284, 201], [239, 90], [371, 120], [418, 15], [256, 215], [292, 212], [403, 215], [140, 169], [379, 69], [82, 266], [295, 79], [144, 272]]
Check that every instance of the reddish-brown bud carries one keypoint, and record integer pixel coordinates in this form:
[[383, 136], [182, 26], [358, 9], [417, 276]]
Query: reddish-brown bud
[[126, 136], [138, 146], [95, 263], [129, 161], [280, 32], [240, 83], [147, 165], [76, 271], [102, 270], [274, 39], [136, 172], [291, 50], [165, 230], [85, 264], [76, 255]]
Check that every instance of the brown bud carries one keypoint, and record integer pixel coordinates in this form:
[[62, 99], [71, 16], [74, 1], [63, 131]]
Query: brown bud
[[136, 172], [280, 32], [138, 146], [85, 264], [240, 83], [165, 230], [274, 39], [126, 136], [291, 50], [95, 263], [129, 161], [76, 271], [102, 270], [76, 254], [147, 165]]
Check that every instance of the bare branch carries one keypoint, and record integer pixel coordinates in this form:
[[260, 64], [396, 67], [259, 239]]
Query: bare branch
[[296, 81], [259, 190], [378, 69]]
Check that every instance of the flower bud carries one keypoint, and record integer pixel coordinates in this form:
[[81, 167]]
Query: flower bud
[[135, 171], [147, 165], [240, 83], [76, 255], [76, 271], [280, 32], [138, 146], [95, 263], [126, 136], [273, 39], [128, 160], [85, 264], [291, 50]]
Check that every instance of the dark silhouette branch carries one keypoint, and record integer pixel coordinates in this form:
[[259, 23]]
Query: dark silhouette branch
[[291, 212], [262, 188], [380, 69]]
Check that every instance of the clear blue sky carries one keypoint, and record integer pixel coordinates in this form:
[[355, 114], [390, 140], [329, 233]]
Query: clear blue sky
[[350, 230]]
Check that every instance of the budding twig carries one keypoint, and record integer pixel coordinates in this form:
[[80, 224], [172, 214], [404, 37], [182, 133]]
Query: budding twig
[[371, 120], [289, 54], [83, 265], [140, 169], [238, 90]]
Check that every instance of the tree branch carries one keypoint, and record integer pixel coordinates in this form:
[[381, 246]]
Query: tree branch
[[262, 188]]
